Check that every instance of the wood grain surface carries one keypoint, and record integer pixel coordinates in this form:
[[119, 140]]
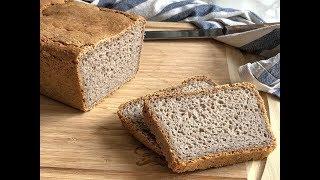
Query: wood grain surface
[[94, 145]]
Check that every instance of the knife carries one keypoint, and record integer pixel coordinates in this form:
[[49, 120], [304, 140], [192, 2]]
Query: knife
[[202, 33], [183, 34]]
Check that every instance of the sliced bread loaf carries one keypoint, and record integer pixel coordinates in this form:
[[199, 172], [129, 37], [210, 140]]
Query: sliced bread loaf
[[212, 128], [131, 114], [86, 52]]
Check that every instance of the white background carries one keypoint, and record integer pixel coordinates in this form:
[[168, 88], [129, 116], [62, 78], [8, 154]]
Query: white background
[[268, 10]]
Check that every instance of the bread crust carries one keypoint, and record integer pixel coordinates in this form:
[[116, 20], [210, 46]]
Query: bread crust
[[45, 3], [199, 78], [213, 159], [140, 136], [59, 55]]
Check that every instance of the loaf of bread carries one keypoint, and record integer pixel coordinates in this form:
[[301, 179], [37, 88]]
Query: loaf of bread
[[87, 52], [212, 128], [131, 114]]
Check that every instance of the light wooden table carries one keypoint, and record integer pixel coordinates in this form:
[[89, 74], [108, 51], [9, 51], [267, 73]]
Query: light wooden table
[[94, 145]]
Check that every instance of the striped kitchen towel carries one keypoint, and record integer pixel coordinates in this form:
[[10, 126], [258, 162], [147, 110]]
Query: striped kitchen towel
[[265, 74], [264, 41], [255, 37]]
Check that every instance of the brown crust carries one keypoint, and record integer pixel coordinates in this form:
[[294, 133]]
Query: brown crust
[[175, 89], [144, 139], [52, 24], [210, 160], [59, 59], [200, 78], [46, 3]]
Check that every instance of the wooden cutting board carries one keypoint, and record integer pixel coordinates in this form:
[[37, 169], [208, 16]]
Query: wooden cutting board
[[94, 145]]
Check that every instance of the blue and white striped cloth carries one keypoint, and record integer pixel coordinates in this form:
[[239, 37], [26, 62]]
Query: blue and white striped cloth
[[265, 74], [264, 41]]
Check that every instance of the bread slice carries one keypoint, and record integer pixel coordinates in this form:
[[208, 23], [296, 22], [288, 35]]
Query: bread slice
[[131, 115], [211, 128], [87, 52]]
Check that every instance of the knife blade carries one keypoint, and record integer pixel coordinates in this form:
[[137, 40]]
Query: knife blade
[[183, 34], [202, 33]]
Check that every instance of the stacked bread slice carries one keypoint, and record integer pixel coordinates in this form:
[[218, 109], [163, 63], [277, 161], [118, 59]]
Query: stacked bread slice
[[131, 113], [199, 124]]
